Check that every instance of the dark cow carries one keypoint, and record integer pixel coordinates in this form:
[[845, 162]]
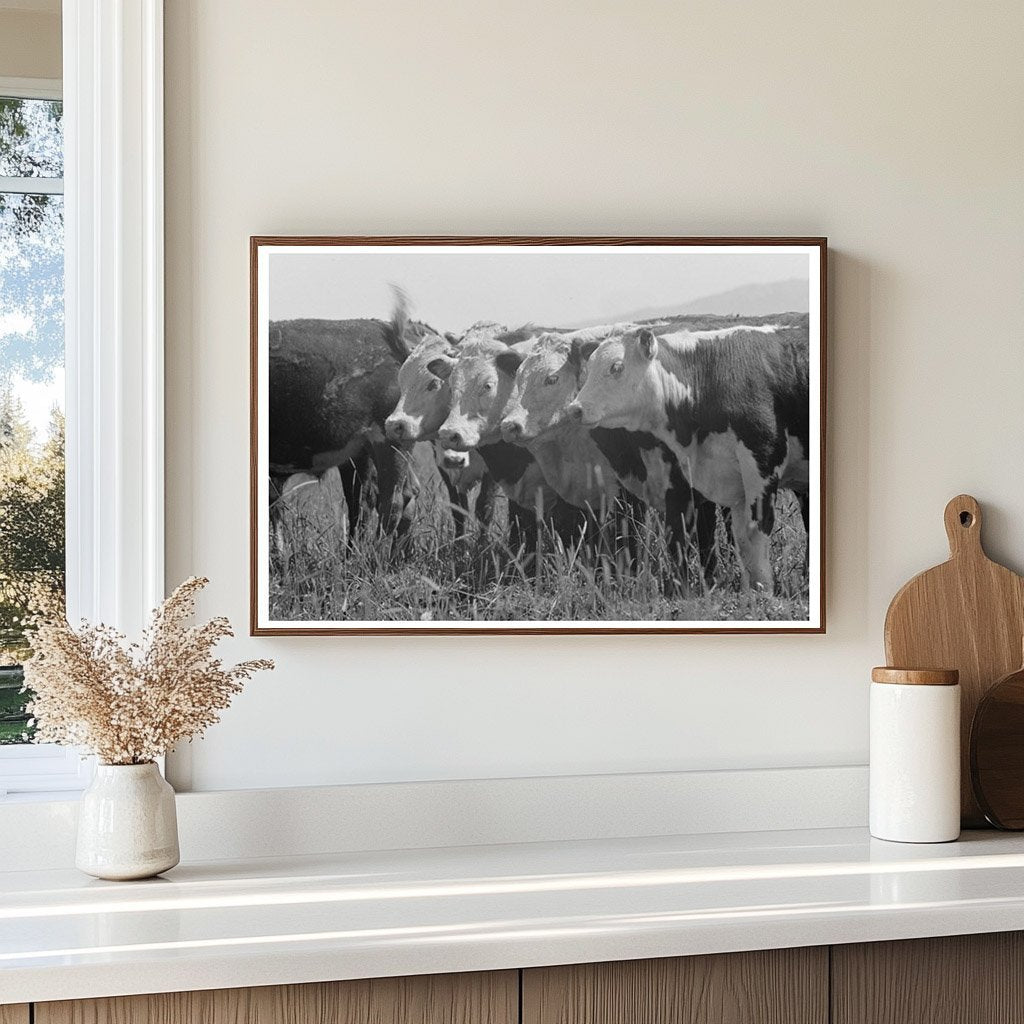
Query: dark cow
[[732, 405], [332, 384], [537, 415]]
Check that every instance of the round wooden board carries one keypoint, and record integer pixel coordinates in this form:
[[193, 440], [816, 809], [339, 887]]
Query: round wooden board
[[997, 752]]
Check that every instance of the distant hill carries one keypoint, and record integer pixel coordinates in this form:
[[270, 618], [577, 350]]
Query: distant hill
[[789, 296]]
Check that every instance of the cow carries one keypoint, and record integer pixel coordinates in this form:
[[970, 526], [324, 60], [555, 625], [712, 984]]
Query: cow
[[732, 405], [424, 396], [480, 382], [538, 416], [332, 384], [423, 403], [571, 462]]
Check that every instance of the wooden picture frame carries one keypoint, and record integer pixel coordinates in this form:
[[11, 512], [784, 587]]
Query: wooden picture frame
[[277, 266]]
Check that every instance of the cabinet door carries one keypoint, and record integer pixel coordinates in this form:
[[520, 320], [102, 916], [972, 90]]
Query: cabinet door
[[490, 998], [779, 986], [962, 979], [14, 1014]]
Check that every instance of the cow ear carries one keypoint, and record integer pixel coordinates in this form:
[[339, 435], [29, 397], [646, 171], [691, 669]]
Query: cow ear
[[648, 343], [441, 368], [509, 362], [452, 339], [580, 351]]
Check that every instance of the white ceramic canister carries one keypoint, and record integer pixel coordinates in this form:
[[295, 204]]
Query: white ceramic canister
[[915, 755], [127, 825]]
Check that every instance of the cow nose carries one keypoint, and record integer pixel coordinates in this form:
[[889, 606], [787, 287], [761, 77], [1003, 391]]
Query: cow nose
[[575, 411], [512, 429]]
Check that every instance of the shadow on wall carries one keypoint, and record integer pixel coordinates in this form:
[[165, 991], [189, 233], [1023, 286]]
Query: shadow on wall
[[853, 289]]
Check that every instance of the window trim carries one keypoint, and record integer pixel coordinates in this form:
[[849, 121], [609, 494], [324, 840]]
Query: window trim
[[114, 324], [114, 268], [32, 88], [31, 186], [43, 768]]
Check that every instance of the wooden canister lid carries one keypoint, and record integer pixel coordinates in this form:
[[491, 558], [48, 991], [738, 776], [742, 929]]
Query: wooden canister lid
[[916, 676]]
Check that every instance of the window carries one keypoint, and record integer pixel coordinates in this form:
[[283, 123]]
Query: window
[[112, 212], [32, 532]]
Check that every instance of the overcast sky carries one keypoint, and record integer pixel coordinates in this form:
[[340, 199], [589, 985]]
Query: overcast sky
[[451, 290]]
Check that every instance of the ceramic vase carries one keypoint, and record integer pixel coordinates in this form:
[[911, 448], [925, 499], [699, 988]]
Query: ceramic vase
[[127, 825]]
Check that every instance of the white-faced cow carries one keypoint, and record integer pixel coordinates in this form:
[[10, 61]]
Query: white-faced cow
[[732, 405], [535, 417], [538, 416], [424, 402], [480, 382], [332, 384]]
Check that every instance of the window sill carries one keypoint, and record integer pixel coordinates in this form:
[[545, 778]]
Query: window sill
[[42, 771]]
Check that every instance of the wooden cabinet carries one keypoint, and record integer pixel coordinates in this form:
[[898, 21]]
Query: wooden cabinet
[[963, 979], [779, 986], [971, 979], [491, 998]]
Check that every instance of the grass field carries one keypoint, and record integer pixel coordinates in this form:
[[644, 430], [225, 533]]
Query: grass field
[[315, 575]]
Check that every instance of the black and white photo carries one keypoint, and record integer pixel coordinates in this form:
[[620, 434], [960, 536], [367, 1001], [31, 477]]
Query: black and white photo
[[537, 435]]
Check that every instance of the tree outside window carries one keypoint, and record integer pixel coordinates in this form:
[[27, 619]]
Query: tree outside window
[[32, 540]]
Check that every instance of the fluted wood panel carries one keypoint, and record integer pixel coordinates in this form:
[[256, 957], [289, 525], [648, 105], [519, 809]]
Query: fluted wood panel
[[963, 979], [485, 998], [779, 986], [14, 1014]]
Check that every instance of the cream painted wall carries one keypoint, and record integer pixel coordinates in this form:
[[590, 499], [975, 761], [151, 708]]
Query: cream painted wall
[[895, 129], [30, 44]]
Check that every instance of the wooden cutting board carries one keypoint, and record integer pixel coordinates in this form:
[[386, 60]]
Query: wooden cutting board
[[967, 614]]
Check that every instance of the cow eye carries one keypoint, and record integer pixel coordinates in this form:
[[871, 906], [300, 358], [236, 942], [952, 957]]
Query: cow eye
[[433, 384], [489, 386], [553, 379], [616, 368]]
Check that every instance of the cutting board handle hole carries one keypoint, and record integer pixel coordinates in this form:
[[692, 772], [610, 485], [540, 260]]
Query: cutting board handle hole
[[962, 517]]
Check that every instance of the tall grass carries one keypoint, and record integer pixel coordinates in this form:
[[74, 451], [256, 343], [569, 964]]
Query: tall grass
[[319, 572]]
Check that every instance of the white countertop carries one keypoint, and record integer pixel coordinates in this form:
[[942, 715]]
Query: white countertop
[[298, 919]]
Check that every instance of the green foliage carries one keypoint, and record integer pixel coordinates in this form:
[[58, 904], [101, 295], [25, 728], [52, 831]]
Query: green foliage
[[32, 523], [14, 727]]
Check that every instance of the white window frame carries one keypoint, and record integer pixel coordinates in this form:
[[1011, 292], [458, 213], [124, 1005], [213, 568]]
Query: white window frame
[[31, 89], [114, 324]]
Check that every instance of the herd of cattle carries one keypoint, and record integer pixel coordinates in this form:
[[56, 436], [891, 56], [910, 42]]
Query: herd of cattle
[[683, 415]]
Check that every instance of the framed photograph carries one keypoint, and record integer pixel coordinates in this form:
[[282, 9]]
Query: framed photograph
[[537, 435]]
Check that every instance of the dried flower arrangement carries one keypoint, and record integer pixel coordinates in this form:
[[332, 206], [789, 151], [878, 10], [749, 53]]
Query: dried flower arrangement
[[130, 703]]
